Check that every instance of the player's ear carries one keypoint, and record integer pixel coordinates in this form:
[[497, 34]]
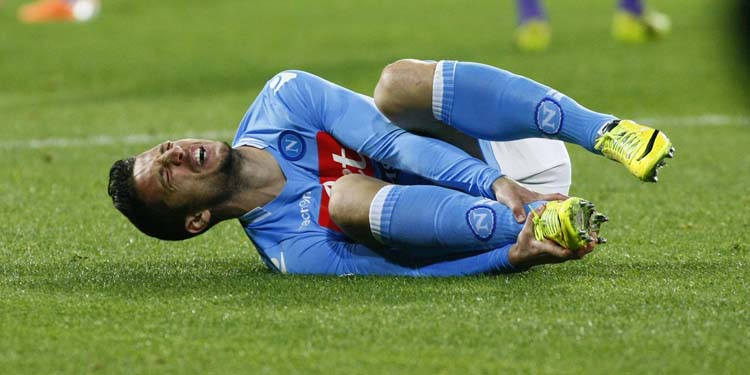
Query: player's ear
[[198, 222]]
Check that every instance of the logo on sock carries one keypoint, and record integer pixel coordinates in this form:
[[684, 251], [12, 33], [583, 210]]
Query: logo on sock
[[481, 220], [549, 116], [291, 145]]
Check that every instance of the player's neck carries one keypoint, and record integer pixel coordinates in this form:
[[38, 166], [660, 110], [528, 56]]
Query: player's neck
[[257, 181]]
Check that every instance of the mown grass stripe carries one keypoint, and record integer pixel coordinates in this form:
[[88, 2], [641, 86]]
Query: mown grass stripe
[[136, 139]]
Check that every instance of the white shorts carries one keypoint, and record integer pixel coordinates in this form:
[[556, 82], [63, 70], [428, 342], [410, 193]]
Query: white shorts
[[539, 164]]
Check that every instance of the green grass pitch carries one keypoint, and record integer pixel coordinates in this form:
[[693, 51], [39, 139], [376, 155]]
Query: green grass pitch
[[81, 292]]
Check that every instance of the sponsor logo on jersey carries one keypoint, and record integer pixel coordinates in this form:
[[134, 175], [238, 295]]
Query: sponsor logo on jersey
[[549, 116], [481, 220], [335, 161], [304, 209], [291, 145]]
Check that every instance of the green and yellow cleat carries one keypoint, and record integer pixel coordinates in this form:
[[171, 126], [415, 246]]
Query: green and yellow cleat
[[633, 29], [640, 148], [569, 223], [533, 35]]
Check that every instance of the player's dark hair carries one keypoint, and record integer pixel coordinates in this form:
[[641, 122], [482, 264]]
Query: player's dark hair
[[155, 220]]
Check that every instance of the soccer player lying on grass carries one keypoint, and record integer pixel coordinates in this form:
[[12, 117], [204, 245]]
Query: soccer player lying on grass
[[324, 183]]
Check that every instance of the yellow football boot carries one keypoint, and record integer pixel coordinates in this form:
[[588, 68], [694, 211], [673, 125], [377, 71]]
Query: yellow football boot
[[533, 35], [640, 148], [569, 223], [633, 29]]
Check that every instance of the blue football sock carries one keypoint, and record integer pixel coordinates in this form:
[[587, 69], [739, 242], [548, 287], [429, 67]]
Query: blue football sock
[[435, 221], [494, 104]]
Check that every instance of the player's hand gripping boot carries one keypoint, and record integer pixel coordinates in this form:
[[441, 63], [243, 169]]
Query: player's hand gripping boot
[[569, 223], [640, 148]]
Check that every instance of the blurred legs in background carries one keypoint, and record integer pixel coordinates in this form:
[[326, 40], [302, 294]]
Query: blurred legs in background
[[533, 32], [631, 24]]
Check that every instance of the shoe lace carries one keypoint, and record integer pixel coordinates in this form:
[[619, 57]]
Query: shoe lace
[[625, 143], [546, 224]]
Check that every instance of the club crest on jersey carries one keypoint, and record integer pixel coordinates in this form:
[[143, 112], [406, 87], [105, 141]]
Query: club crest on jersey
[[549, 116], [291, 145], [481, 220]]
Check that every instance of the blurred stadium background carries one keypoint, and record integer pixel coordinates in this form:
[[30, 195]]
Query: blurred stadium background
[[82, 292]]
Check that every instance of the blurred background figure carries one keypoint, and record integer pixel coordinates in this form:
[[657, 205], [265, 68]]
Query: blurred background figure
[[58, 11], [630, 24]]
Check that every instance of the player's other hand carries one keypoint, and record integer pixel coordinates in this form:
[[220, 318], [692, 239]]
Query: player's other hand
[[515, 196], [528, 251]]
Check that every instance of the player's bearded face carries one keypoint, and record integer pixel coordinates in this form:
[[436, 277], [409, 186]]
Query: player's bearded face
[[187, 174]]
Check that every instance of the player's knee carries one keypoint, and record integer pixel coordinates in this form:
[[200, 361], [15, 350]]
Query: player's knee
[[394, 73], [387, 89], [350, 199], [341, 195], [346, 184], [399, 85]]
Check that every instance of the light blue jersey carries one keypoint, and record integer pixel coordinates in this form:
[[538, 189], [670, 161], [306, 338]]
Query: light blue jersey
[[318, 132]]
